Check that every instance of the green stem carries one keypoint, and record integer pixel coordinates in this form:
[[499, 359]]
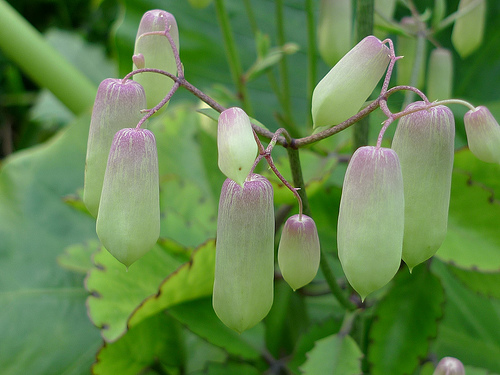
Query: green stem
[[26, 47], [364, 27], [232, 55], [251, 17], [311, 57]]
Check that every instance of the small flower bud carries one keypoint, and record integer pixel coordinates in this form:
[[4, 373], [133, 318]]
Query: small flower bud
[[371, 219], [440, 74], [424, 142], [128, 223], [244, 263], [407, 47], [117, 105], [139, 61], [468, 30], [236, 144], [334, 29], [483, 134], [342, 92], [299, 251], [157, 53], [449, 366]]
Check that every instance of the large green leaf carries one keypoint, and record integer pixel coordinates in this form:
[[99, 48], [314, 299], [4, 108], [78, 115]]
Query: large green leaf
[[405, 320], [43, 325]]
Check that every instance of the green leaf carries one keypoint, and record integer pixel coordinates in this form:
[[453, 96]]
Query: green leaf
[[116, 293], [470, 326], [199, 317], [335, 354], [77, 258], [487, 284], [405, 320], [473, 217], [157, 339], [228, 368], [191, 281], [43, 324]]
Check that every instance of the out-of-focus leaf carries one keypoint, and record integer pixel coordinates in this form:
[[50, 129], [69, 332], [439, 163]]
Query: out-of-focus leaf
[[335, 354], [228, 368], [199, 317], [470, 326], [155, 340], [487, 284], [405, 320], [77, 258]]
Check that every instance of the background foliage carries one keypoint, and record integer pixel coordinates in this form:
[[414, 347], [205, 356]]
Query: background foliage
[[157, 318]]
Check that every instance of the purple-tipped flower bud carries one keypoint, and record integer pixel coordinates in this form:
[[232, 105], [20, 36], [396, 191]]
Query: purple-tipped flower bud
[[424, 142], [342, 92], [244, 265], [299, 251], [468, 30], [236, 144], [440, 74], [157, 53], [128, 223], [483, 134], [139, 61], [407, 47], [117, 105], [371, 219], [449, 366], [334, 29]]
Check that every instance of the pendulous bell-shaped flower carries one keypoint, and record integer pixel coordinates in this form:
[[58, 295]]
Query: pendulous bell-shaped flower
[[342, 92], [157, 53], [244, 264], [299, 251], [128, 223], [117, 105], [483, 134], [440, 74], [449, 366], [468, 30], [371, 219], [236, 144], [424, 142]]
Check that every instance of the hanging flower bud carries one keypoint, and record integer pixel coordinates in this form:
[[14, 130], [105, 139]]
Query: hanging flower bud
[[236, 144], [371, 219], [440, 74], [483, 134], [117, 105], [128, 223], [407, 47], [468, 30], [449, 366], [139, 61], [334, 29], [342, 92], [244, 265], [424, 142], [299, 251], [157, 53]]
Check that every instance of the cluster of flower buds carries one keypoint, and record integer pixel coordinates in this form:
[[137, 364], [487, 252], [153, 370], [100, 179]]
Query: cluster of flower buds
[[244, 268]]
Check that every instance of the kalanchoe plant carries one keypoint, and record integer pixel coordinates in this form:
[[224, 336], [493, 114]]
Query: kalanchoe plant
[[244, 266], [449, 366], [468, 30], [118, 105], [483, 134], [440, 74], [236, 145], [371, 219], [299, 251], [424, 142], [128, 223]]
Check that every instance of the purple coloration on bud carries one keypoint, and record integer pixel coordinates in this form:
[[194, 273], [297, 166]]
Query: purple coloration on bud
[[128, 223], [117, 105], [483, 134], [371, 219], [449, 366], [468, 30], [236, 144], [299, 251], [157, 53], [139, 61], [342, 92], [334, 29], [424, 142], [244, 265], [440, 74]]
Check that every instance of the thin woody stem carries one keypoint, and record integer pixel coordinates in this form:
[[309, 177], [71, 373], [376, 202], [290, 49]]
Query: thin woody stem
[[156, 108]]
